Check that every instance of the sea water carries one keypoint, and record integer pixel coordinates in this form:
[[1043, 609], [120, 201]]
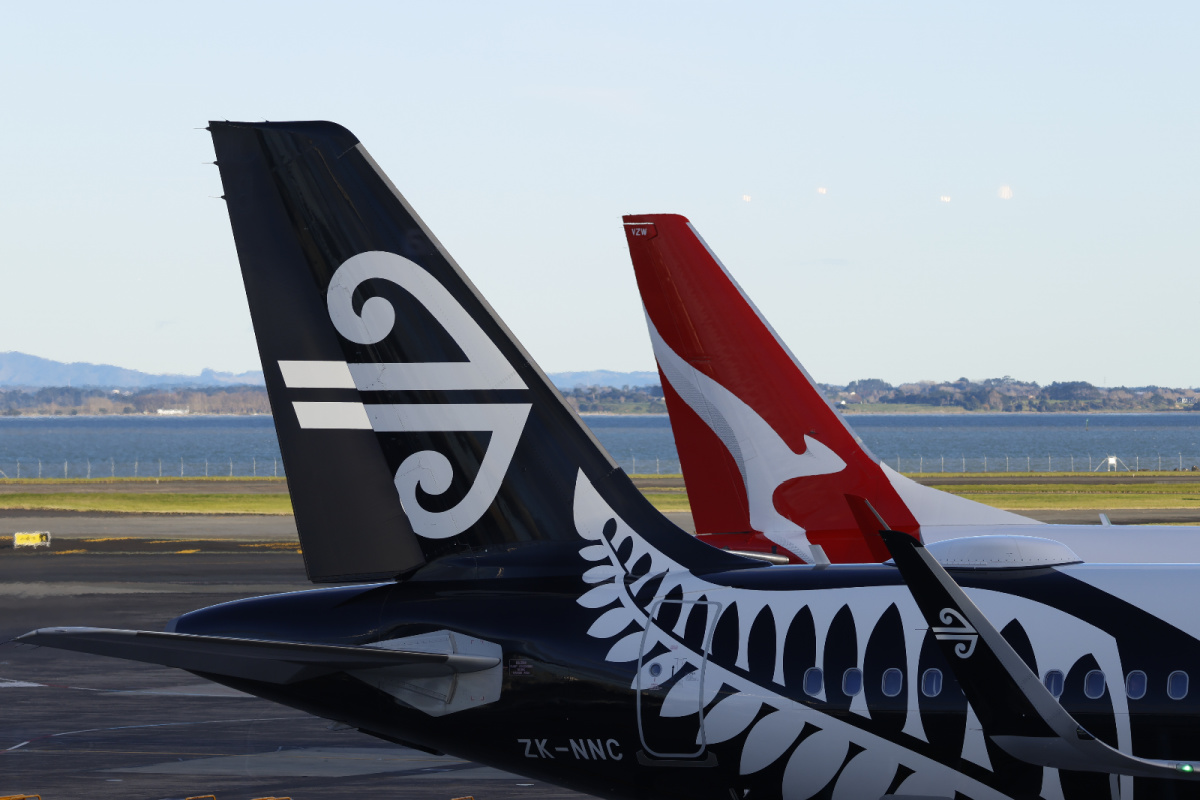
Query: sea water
[[223, 445]]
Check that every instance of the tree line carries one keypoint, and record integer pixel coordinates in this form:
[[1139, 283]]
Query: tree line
[[1009, 394], [72, 401], [992, 394]]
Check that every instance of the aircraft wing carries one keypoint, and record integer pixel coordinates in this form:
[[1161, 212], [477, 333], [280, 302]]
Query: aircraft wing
[[252, 659], [1017, 712]]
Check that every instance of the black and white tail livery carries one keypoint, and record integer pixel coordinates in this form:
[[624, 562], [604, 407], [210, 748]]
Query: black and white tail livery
[[535, 614], [412, 423]]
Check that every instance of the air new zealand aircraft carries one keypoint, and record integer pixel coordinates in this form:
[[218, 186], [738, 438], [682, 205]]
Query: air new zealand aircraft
[[517, 602]]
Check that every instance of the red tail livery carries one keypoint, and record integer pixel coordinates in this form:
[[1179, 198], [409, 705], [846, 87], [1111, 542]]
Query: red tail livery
[[768, 462]]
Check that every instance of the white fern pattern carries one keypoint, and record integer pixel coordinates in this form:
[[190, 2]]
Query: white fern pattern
[[774, 724]]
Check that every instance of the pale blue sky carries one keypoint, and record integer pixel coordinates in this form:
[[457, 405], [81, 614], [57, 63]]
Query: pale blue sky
[[522, 131]]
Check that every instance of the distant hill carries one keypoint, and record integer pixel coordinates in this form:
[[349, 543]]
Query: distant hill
[[602, 377], [21, 369]]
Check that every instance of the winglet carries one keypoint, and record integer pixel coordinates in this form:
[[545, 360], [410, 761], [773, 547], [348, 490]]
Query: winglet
[[1017, 712], [870, 524]]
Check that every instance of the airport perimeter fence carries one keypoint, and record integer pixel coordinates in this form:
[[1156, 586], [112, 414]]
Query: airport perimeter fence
[[271, 466], [94, 468], [639, 465], [1089, 462], [1157, 462]]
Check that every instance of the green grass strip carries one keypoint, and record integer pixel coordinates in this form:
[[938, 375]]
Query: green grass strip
[[669, 501], [138, 503], [1116, 490], [1030, 501]]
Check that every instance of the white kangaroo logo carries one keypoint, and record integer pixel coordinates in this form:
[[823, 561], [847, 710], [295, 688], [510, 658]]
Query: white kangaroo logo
[[765, 461], [485, 368]]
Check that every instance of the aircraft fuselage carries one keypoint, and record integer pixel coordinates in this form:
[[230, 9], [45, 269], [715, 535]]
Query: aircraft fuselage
[[603, 684]]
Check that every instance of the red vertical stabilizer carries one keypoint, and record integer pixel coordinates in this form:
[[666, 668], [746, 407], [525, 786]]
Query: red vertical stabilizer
[[768, 463]]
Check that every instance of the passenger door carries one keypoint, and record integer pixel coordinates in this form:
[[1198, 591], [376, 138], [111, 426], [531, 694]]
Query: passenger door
[[671, 682]]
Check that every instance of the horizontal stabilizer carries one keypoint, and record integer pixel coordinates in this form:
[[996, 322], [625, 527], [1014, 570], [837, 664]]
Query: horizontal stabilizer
[[1016, 711], [252, 659]]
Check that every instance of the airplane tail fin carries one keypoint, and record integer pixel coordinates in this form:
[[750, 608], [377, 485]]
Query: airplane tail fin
[[763, 453], [413, 425]]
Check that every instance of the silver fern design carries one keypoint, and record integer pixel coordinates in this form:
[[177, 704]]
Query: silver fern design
[[743, 674]]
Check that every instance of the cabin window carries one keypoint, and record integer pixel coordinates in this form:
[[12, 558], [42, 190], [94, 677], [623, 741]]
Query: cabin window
[[1177, 685], [852, 681], [1054, 682], [814, 681], [931, 683], [1093, 685], [1135, 685], [893, 682]]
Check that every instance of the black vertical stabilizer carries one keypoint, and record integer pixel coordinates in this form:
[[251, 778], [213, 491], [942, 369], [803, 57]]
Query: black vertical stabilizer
[[412, 424]]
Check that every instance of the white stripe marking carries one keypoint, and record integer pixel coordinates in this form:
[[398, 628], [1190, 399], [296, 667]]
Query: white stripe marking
[[335, 416], [439, 376], [316, 375]]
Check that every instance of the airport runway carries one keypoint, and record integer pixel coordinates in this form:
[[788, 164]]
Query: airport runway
[[280, 528], [79, 726], [81, 525]]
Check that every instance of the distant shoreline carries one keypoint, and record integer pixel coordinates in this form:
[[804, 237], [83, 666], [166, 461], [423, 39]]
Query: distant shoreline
[[129, 416], [936, 411]]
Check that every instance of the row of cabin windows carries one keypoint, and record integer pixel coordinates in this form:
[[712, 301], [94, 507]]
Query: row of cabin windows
[[852, 681], [1136, 683]]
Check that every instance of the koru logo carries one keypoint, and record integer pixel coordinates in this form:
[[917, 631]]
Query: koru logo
[[485, 368], [963, 633]]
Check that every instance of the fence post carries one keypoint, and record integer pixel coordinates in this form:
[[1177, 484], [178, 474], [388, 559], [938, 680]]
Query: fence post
[[39, 469], [89, 469], [1006, 463], [985, 463], [275, 466], [1027, 467], [135, 467], [64, 468], [231, 467], [160, 468], [254, 467], [206, 467], [921, 468], [943, 463], [181, 466], [964, 458], [112, 467], [18, 469]]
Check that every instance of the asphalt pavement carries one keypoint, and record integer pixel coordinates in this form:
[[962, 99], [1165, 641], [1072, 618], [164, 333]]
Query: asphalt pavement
[[79, 726]]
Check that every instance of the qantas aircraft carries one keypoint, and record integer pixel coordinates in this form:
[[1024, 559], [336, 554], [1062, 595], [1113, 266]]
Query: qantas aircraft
[[765, 457], [517, 602]]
